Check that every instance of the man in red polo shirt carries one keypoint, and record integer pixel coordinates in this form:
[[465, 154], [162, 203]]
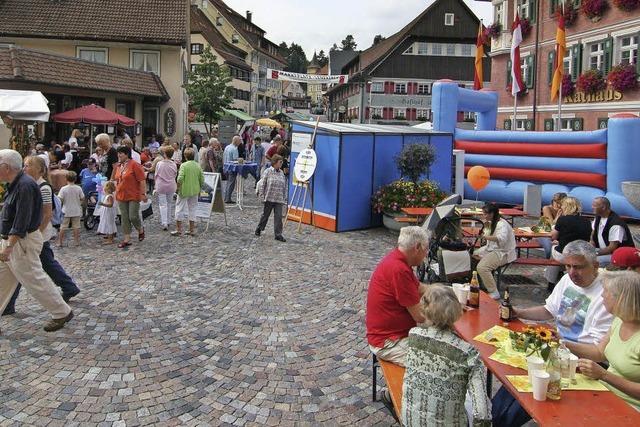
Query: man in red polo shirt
[[393, 299]]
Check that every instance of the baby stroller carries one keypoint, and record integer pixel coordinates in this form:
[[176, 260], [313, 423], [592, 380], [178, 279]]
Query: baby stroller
[[92, 216], [449, 258]]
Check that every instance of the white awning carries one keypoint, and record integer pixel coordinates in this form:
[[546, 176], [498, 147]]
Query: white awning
[[24, 105]]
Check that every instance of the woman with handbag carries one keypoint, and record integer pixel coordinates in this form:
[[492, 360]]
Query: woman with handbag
[[130, 191]]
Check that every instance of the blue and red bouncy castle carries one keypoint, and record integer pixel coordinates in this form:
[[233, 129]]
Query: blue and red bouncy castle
[[584, 165]]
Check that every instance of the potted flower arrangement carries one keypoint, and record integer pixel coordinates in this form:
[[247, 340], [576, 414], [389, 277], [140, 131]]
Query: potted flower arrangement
[[414, 161], [626, 5], [570, 14], [376, 116], [623, 77], [493, 31], [421, 119], [525, 27], [568, 86], [540, 341], [591, 81], [594, 9], [399, 117]]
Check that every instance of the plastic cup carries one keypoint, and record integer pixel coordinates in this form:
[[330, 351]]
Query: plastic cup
[[462, 292], [540, 383], [534, 363], [573, 364]]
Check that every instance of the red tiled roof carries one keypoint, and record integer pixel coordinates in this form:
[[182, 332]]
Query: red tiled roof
[[146, 21], [30, 66], [231, 54]]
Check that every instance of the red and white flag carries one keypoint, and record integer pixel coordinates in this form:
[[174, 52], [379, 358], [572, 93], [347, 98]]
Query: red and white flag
[[516, 71]]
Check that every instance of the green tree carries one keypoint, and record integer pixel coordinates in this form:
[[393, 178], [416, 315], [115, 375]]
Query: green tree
[[322, 58], [209, 89], [348, 43], [295, 56], [377, 39]]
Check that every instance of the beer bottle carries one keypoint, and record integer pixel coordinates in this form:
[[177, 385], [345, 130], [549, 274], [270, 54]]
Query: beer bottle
[[506, 310], [474, 291]]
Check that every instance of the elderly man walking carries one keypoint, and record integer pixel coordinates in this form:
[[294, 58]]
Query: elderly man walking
[[231, 155], [21, 243]]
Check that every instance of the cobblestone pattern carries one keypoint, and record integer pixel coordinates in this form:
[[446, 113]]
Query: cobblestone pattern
[[221, 329]]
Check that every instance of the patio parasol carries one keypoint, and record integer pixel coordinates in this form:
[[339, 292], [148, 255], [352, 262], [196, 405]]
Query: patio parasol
[[442, 210], [268, 122], [93, 115]]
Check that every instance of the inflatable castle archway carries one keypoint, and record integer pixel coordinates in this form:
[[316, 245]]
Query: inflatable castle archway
[[584, 164]]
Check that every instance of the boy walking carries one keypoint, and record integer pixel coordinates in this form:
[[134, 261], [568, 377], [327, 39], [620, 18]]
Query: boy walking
[[71, 196]]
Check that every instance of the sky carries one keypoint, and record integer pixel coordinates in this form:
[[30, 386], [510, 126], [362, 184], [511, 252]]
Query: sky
[[317, 25]]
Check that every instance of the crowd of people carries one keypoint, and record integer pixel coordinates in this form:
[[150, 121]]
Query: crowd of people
[[596, 314], [35, 213]]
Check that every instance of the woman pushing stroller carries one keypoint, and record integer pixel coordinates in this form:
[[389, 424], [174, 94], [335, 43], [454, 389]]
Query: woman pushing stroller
[[500, 247]]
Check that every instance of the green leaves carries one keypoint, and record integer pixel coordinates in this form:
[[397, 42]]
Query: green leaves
[[415, 160], [209, 88]]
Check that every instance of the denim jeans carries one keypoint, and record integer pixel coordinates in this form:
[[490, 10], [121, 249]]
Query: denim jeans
[[55, 271]]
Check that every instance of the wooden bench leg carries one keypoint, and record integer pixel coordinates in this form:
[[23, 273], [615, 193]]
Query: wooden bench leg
[[374, 382]]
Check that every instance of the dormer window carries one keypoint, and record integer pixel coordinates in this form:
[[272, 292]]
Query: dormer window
[[219, 21], [448, 19], [235, 38]]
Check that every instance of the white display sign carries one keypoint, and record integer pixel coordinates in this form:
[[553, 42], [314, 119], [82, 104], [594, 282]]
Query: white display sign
[[207, 195], [305, 165], [300, 141]]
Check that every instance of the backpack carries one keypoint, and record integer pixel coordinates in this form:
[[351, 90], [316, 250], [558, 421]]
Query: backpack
[[56, 207]]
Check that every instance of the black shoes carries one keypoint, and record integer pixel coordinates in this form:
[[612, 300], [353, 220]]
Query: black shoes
[[55, 324], [385, 396], [280, 239], [257, 231]]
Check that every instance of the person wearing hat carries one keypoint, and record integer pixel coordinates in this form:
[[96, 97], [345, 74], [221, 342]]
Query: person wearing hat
[[626, 258]]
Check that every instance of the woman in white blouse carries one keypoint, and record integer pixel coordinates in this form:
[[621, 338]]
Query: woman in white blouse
[[499, 250]]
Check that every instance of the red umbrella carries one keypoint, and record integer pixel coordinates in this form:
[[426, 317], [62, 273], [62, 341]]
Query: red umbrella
[[95, 115]]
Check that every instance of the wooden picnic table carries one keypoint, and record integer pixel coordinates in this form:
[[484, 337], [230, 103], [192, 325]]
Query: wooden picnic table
[[518, 232], [511, 213], [575, 408]]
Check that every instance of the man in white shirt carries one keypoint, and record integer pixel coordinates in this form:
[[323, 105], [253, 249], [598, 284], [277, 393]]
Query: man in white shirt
[[230, 155], [576, 302], [579, 314], [44, 154], [610, 232], [135, 156]]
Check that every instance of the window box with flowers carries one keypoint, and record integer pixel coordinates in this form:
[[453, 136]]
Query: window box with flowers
[[493, 31], [421, 118], [623, 77], [568, 86], [376, 116], [570, 14], [525, 27], [627, 5], [413, 162], [590, 82], [594, 9], [399, 117]]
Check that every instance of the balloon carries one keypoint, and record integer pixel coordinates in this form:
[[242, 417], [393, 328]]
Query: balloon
[[478, 177]]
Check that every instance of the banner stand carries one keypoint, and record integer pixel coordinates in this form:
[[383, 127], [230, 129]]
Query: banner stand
[[210, 198]]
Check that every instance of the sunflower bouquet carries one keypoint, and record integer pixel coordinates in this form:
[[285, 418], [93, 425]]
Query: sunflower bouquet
[[539, 340]]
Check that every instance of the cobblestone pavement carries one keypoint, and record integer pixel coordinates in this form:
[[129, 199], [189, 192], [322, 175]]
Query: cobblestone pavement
[[221, 329]]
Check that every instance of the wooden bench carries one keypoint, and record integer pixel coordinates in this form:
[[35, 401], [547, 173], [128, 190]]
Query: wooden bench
[[537, 261], [394, 377], [408, 219]]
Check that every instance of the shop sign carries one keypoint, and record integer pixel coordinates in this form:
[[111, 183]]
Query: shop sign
[[607, 95], [170, 122]]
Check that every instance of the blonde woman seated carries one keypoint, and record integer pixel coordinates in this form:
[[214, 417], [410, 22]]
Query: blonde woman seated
[[621, 346], [442, 369]]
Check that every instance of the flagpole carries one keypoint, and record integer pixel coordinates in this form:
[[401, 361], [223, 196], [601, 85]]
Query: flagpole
[[559, 123], [515, 96]]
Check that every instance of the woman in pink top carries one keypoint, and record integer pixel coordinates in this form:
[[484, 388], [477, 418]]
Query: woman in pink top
[[165, 183]]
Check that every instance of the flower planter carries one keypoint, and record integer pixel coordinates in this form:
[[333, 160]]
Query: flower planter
[[390, 222]]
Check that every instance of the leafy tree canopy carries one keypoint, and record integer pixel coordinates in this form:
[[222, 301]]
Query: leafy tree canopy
[[348, 43], [209, 90]]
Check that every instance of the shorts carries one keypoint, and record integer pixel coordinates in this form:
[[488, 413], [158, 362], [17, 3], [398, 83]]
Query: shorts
[[186, 208], [74, 221]]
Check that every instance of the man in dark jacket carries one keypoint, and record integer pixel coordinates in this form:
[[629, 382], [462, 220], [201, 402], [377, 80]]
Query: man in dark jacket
[[609, 231]]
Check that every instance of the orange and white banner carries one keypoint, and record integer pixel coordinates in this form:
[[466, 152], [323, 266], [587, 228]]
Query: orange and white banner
[[305, 78]]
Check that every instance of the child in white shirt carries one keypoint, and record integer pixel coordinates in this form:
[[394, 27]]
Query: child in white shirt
[[71, 196]]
